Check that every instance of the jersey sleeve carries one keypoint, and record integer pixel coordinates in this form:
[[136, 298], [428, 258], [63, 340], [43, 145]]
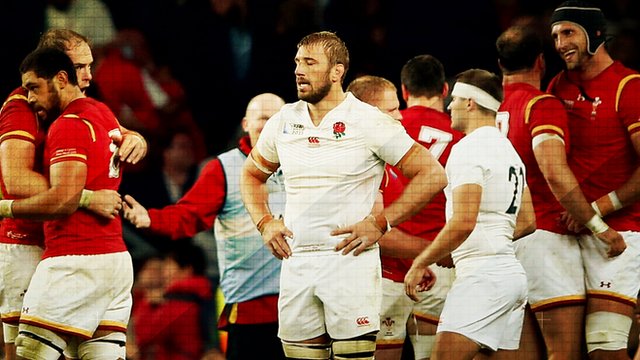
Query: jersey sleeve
[[17, 120], [68, 140], [266, 145], [388, 139], [464, 168], [197, 209], [545, 114], [627, 104]]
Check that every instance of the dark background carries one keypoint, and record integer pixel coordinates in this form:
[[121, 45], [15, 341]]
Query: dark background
[[194, 42]]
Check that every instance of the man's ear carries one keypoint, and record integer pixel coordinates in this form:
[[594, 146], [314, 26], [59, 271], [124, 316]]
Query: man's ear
[[337, 73], [405, 92], [244, 124], [61, 79], [445, 90], [471, 105]]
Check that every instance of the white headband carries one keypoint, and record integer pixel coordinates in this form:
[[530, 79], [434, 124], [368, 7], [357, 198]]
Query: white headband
[[478, 95]]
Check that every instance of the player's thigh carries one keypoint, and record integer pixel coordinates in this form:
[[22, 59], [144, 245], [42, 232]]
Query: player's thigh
[[553, 264]]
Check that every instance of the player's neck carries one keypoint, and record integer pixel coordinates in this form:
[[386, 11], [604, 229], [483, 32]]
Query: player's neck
[[593, 66], [434, 102], [478, 120], [318, 110], [69, 94], [527, 77]]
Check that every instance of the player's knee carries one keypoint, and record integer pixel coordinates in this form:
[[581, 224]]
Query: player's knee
[[9, 332], [607, 331], [422, 345], [108, 347], [37, 343], [359, 348], [306, 351]]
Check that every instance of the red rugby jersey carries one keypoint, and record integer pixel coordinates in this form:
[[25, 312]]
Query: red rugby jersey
[[603, 112], [432, 129], [80, 134], [525, 113], [18, 121]]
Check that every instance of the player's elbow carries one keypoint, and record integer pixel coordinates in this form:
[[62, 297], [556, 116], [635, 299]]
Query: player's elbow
[[62, 210], [553, 175], [525, 226], [438, 177], [66, 206], [16, 187]]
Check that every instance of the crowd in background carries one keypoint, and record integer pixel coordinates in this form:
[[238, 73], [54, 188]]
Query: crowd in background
[[181, 71], [223, 52]]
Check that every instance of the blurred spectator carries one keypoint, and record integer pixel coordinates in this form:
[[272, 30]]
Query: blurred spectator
[[90, 18], [211, 44], [144, 96], [625, 45], [289, 21], [168, 314], [171, 170], [365, 23]]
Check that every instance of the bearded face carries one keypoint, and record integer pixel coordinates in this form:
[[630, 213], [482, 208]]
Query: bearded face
[[314, 92], [47, 104], [571, 44], [313, 73]]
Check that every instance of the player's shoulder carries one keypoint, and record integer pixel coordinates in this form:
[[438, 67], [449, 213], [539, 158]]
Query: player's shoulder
[[353, 104], [294, 107], [17, 98], [626, 77]]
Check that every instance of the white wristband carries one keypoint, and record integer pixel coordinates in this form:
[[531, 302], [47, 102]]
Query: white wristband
[[595, 207], [596, 225], [85, 198], [615, 201], [5, 208]]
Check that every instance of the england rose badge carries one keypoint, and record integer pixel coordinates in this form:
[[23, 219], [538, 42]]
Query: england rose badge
[[338, 129]]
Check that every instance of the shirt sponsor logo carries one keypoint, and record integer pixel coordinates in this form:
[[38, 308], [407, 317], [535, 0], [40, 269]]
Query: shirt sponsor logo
[[314, 141], [293, 129], [363, 321]]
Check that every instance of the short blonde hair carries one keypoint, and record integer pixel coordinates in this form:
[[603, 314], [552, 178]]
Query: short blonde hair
[[335, 49], [367, 87]]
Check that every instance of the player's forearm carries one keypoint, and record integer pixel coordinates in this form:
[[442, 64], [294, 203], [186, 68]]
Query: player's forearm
[[526, 220], [399, 244], [17, 161], [629, 192], [254, 193], [626, 194], [25, 183], [54, 203], [450, 237], [563, 184]]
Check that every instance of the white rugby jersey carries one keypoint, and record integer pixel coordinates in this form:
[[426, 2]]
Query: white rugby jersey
[[332, 172], [487, 158]]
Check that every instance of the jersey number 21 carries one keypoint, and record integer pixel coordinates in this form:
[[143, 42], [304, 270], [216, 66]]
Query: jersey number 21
[[516, 177]]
